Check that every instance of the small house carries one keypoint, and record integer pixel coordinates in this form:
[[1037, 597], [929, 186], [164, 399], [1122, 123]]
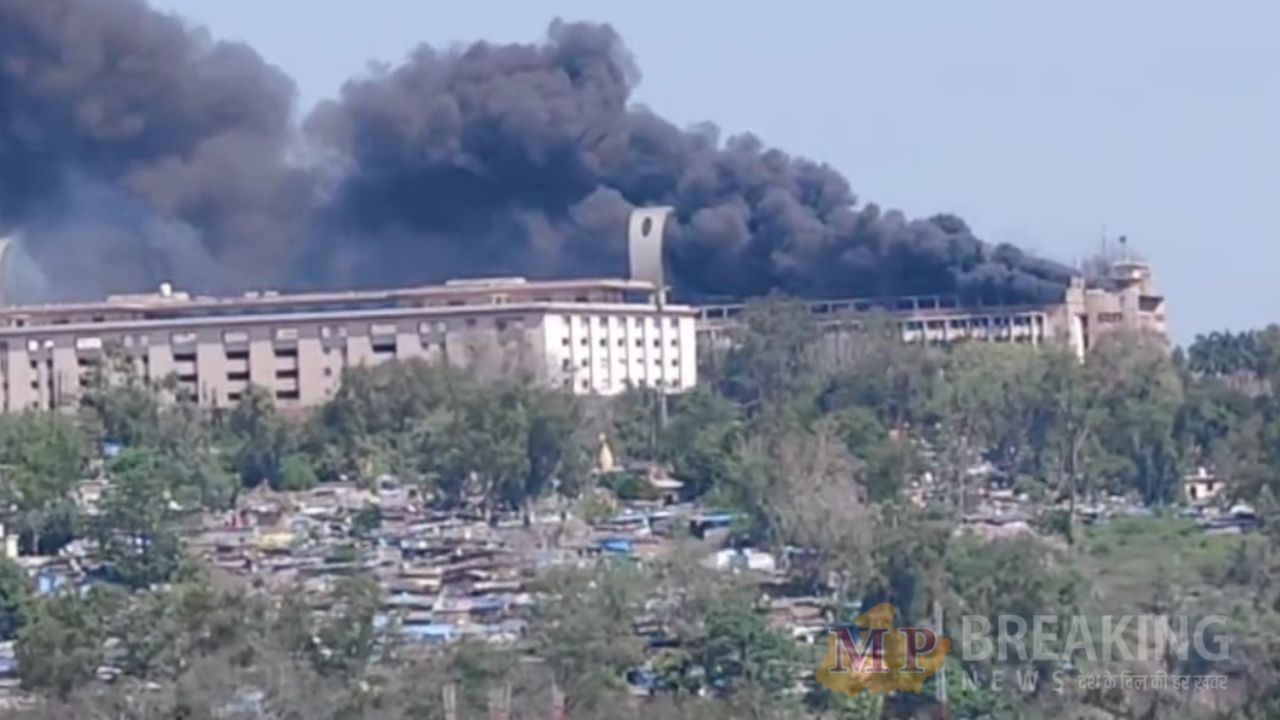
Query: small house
[[1202, 487]]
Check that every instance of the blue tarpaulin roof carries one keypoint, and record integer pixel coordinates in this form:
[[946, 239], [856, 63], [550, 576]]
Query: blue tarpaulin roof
[[616, 545]]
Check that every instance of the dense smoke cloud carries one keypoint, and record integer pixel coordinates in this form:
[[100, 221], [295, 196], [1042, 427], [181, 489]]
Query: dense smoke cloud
[[115, 121], [489, 159]]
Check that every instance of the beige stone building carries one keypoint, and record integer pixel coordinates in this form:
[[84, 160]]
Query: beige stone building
[[1125, 298], [587, 336]]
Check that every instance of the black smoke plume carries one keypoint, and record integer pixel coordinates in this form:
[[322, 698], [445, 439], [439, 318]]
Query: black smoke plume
[[125, 138], [483, 160]]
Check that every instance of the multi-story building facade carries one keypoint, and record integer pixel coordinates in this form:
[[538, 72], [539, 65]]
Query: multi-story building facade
[[586, 336], [1124, 299]]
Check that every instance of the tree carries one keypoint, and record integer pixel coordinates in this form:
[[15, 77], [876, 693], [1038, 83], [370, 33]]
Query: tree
[[135, 528], [556, 450], [1139, 393], [971, 409], [260, 438], [700, 440], [343, 643], [581, 632], [119, 403], [483, 449], [772, 361], [801, 486], [739, 650], [382, 416], [42, 459], [15, 599], [60, 647], [296, 473], [1070, 420], [634, 424]]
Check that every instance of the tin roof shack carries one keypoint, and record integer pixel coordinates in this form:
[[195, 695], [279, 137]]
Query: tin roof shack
[[642, 481], [805, 618], [713, 526], [996, 526], [742, 560]]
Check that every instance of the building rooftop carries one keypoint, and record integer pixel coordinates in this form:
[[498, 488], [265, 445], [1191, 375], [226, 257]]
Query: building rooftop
[[168, 303]]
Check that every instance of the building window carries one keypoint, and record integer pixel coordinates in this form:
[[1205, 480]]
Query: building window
[[235, 336], [287, 333]]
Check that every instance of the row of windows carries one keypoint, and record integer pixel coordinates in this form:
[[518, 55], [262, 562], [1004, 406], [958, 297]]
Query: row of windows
[[977, 322], [622, 342], [567, 364], [617, 321], [240, 337]]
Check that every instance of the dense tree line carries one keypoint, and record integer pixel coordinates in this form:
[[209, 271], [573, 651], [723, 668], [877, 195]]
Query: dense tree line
[[817, 445]]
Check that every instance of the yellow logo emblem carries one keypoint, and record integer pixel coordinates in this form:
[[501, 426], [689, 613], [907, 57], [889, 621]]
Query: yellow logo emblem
[[875, 656]]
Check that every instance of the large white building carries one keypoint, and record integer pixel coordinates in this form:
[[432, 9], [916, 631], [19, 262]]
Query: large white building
[[586, 336]]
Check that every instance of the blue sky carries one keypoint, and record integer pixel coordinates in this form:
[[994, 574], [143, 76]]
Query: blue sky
[[1040, 125]]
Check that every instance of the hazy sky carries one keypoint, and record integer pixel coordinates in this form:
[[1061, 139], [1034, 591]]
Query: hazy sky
[[1040, 126]]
